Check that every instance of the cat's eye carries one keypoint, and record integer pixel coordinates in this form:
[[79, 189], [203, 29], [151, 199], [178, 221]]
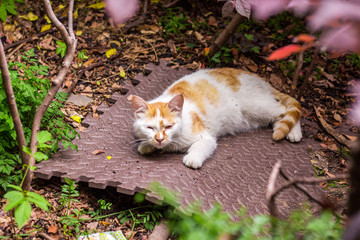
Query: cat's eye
[[168, 126], [151, 128]]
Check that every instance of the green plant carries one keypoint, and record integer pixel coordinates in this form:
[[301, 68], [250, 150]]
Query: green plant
[[224, 55], [192, 223], [69, 193], [174, 22], [61, 49], [71, 222], [104, 206], [8, 6], [148, 218], [30, 85], [20, 199], [354, 60]]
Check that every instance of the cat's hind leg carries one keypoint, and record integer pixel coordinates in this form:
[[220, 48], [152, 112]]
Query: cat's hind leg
[[295, 133], [200, 150]]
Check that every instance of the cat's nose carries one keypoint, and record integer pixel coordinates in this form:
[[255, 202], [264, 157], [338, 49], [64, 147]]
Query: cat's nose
[[159, 139]]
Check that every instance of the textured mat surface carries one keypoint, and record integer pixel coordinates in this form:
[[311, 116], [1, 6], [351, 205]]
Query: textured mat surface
[[236, 175]]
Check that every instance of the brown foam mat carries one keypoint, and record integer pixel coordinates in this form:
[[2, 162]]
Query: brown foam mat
[[236, 175]]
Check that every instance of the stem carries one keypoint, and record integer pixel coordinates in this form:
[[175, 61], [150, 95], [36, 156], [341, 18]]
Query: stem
[[308, 73], [20, 137], [297, 71]]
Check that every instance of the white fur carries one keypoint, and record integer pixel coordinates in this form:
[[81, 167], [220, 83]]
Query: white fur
[[251, 107]]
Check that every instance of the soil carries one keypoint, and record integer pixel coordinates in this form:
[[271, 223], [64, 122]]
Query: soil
[[180, 35]]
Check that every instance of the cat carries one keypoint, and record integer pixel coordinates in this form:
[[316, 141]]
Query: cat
[[198, 108]]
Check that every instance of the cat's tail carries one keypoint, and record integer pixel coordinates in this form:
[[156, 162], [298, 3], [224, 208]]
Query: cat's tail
[[287, 121]]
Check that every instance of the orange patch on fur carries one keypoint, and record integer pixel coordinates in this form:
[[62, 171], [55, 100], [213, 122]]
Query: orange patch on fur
[[207, 90], [163, 110], [227, 76], [190, 93], [197, 124]]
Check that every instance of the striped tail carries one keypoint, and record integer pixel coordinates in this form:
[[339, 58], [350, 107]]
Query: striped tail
[[287, 121]]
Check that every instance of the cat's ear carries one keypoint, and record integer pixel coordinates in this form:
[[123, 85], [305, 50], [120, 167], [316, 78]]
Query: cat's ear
[[176, 104], [139, 106]]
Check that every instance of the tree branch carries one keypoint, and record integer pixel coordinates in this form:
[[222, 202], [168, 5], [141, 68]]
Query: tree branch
[[12, 105], [225, 34], [271, 192], [71, 43]]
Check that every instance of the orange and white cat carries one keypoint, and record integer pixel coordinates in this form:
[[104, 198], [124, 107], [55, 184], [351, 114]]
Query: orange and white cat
[[195, 110]]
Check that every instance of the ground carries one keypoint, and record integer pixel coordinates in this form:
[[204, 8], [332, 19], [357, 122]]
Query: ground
[[180, 35]]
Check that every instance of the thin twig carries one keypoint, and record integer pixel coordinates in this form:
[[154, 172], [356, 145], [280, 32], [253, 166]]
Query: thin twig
[[297, 71], [57, 81], [330, 130], [29, 39], [170, 4], [302, 190], [44, 236], [271, 186], [308, 73], [12, 105]]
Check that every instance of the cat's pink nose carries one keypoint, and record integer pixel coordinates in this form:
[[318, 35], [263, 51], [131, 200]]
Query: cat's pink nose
[[159, 139]]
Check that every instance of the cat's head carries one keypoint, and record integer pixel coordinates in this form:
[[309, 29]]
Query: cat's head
[[157, 123]]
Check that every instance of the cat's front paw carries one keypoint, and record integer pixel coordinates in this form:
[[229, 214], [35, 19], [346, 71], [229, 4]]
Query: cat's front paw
[[146, 149], [192, 161]]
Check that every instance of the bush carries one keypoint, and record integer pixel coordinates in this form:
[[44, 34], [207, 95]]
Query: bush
[[30, 87]]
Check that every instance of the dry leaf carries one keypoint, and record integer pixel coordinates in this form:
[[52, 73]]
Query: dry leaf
[[333, 147], [351, 138], [96, 152], [337, 117], [323, 145], [130, 97], [52, 229]]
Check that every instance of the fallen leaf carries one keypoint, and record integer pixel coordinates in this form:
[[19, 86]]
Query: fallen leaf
[[76, 118], [122, 72], [198, 36], [323, 145], [337, 117], [78, 33], [284, 52], [212, 21], [351, 138], [46, 44], [96, 152], [110, 52], [94, 108], [108, 157], [99, 5], [30, 17], [333, 147], [52, 229], [116, 87], [91, 226], [45, 27], [104, 223]]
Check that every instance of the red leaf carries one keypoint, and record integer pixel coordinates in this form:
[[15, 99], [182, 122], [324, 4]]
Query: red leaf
[[284, 52], [306, 38]]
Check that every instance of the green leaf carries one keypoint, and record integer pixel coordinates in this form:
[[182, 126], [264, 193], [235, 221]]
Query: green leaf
[[38, 200], [3, 13], [22, 213], [15, 187], [39, 156], [15, 198], [43, 136]]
